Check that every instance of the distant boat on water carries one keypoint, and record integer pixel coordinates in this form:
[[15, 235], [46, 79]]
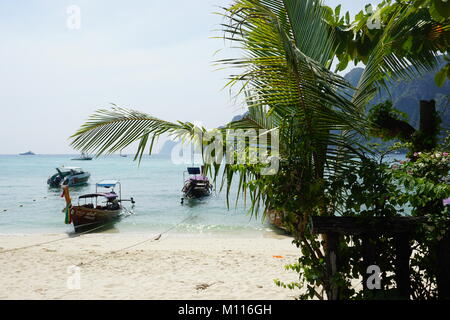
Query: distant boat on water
[[83, 157], [29, 153]]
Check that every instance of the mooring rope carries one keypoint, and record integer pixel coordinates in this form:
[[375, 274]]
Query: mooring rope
[[52, 241], [62, 239], [151, 239]]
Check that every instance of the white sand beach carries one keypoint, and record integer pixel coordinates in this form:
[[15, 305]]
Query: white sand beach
[[174, 267]]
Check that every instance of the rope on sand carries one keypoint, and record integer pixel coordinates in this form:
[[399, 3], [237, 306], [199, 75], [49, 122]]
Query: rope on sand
[[52, 241], [61, 239], [152, 239]]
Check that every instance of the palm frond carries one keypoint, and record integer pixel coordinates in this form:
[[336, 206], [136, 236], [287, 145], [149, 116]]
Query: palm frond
[[287, 51], [384, 63], [109, 131]]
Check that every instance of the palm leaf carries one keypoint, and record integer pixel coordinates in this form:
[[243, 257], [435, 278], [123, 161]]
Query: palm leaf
[[109, 131], [383, 62]]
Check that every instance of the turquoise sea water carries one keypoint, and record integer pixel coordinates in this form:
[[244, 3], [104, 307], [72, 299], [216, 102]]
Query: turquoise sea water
[[32, 207]]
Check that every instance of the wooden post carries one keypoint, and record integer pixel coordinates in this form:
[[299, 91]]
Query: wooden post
[[427, 110], [428, 124], [443, 267], [402, 268], [369, 255], [369, 229], [331, 254]]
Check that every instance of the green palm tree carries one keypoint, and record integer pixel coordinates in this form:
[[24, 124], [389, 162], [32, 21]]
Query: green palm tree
[[288, 51], [287, 74]]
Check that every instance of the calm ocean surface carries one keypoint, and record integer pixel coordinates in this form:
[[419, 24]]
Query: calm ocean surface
[[32, 207]]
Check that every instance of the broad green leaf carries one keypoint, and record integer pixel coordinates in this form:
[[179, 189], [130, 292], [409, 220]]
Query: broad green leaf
[[337, 11]]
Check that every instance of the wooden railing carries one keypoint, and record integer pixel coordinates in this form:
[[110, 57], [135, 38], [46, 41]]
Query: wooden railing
[[369, 229]]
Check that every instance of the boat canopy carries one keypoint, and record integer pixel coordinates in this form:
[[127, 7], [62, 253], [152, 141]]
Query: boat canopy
[[194, 170], [199, 178], [109, 196], [108, 183]]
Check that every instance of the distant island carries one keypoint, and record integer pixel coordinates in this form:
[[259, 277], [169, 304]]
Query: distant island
[[167, 148], [29, 153], [406, 95]]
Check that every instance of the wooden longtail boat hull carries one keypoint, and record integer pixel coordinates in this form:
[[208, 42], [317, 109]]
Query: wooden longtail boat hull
[[196, 189], [197, 193], [85, 218]]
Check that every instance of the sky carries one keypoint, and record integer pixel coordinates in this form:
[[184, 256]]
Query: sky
[[150, 55]]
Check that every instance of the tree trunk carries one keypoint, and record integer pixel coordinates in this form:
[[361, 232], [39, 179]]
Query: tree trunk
[[428, 126], [402, 268], [331, 257]]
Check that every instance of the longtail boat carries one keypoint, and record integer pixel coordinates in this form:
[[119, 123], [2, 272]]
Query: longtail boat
[[196, 186], [95, 209]]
